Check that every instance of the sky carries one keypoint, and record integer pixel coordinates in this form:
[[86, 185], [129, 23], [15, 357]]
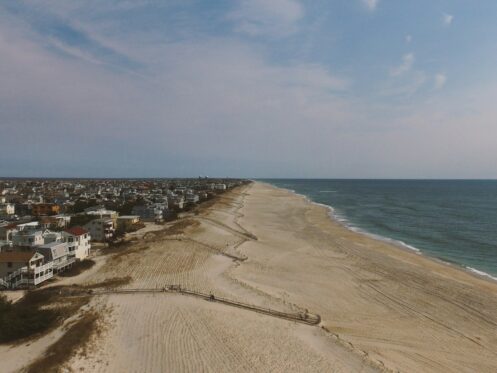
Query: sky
[[248, 88]]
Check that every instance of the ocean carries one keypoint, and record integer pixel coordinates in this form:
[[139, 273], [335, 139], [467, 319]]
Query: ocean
[[452, 220]]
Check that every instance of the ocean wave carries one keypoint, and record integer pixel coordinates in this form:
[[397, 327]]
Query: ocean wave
[[346, 223], [481, 273], [327, 191], [341, 219]]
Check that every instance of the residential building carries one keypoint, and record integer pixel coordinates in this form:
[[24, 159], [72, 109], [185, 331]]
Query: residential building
[[191, 198], [101, 229], [101, 212], [40, 209], [7, 209], [58, 254], [78, 242], [55, 222], [127, 223], [151, 212], [176, 201], [220, 186], [23, 269], [6, 231], [51, 236], [28, 238]]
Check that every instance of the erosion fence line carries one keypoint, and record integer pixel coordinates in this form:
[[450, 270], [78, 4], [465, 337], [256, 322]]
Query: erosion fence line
[[302, 317]]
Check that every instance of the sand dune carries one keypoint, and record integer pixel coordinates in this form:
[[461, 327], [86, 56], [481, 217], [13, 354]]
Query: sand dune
[[382, 308]]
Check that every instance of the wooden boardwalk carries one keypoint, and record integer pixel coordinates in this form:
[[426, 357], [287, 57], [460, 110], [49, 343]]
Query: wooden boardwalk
[[301, 317]]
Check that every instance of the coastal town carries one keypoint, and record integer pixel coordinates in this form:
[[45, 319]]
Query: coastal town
[[47, 226]]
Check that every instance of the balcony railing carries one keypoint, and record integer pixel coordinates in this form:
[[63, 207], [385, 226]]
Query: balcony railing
[[62, 265]]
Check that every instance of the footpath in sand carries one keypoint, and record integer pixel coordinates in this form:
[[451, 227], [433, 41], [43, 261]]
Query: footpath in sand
[[381, 308]]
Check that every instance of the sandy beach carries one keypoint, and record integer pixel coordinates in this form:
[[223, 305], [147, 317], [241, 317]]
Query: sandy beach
[[382, 308]]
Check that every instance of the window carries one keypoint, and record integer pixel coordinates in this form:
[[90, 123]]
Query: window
[[9, 264]]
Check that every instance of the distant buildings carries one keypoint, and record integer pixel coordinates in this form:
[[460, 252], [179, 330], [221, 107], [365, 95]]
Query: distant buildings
[[48, 225], [127, 223], [7, 209], [101, 212], [40, 209], [153, 212]]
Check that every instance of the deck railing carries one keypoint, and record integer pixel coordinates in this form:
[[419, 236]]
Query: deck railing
[[302, 317]]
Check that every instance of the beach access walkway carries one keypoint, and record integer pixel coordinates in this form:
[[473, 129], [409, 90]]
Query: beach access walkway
[[301, 317]]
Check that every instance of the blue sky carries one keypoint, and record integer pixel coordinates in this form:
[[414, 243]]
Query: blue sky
[[249, 88]]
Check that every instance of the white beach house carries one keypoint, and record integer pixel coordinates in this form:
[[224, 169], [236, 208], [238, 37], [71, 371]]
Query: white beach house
[[102, 229], [78, 242], [23, 269], [58, 254]]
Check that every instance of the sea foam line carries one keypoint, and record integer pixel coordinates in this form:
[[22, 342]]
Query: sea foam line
[[333, 214], [346, 223], [481, 273]]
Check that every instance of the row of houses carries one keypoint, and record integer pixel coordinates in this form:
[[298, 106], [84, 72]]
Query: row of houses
[[36, 255], [48, 225]]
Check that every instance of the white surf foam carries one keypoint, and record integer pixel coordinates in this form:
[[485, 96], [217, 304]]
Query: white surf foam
[[346, 223], [481, 273]]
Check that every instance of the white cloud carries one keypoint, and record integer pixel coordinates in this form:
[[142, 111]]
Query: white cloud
[[405, 66], [440, 80], [405, 87], [371, 4], [408, 39], [220, 96], [447, 19], [262, 17]]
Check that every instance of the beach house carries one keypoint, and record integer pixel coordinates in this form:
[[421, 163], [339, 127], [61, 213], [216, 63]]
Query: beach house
[[78, 242], [127, 223], [58, 254], [101, 212], [23, 269], [152, 212], [191, 198], [101, 229], [28, 237]]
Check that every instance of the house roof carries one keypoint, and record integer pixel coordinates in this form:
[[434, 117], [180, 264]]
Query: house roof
[[53, 250], [16, 257], [10, 226], [76, 231], [127, 217]]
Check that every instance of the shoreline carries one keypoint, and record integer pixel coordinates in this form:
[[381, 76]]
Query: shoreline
[[380, 309], [392, 241]]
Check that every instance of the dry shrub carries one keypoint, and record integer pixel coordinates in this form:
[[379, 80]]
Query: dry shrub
[[179, 227], [36, 313], [78, 268], [75, 338], [110, 283]]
